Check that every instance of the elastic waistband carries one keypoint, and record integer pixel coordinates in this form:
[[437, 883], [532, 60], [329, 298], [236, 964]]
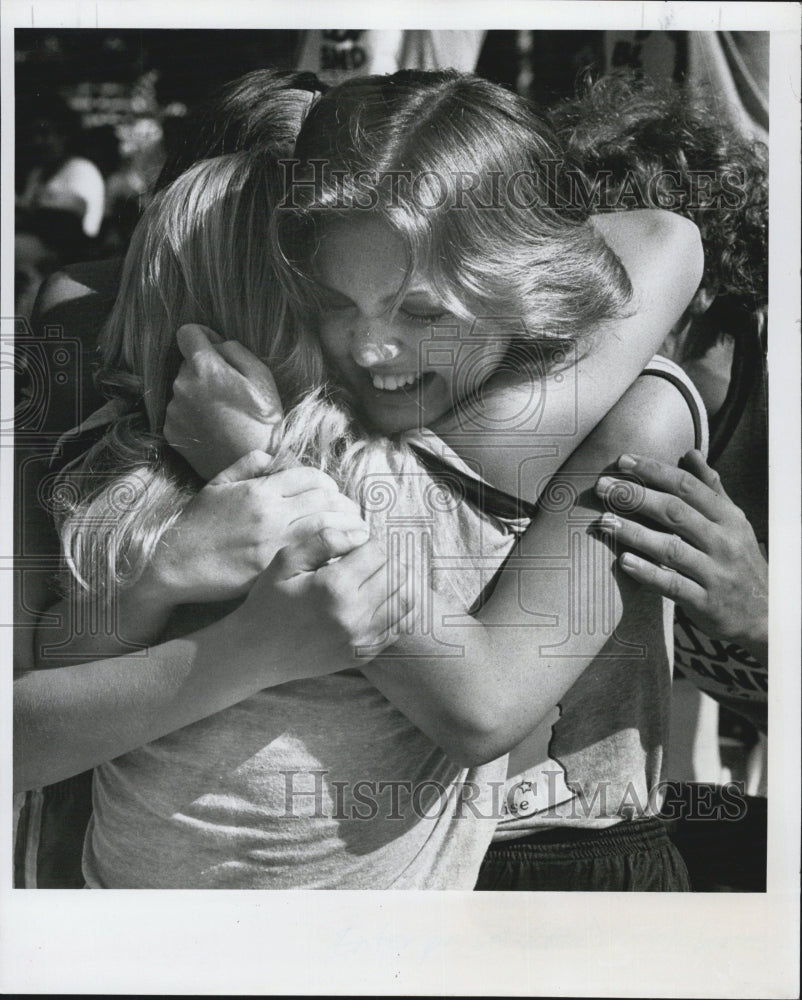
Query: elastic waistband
[[571, 843]]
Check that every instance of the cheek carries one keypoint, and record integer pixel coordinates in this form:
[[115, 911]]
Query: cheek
[[333, 336]]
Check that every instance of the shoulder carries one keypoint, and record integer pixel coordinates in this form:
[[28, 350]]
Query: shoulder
[[655, 417]]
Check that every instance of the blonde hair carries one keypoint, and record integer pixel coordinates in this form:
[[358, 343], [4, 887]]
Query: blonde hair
[[470, 178], [200, 254]]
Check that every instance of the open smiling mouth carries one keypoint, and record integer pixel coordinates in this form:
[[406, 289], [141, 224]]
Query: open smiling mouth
[[402, 383]]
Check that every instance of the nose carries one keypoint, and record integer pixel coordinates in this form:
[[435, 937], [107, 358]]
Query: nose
[[370, 347]]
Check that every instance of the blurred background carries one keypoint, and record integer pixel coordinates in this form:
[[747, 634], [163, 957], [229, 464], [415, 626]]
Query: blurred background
[[97, 111]]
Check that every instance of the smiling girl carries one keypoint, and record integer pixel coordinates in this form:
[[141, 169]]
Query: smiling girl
[[207, 794], [414, 350]]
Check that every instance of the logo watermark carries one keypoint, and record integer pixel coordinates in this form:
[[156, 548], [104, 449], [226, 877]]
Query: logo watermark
[[316, 184], [315, 794]]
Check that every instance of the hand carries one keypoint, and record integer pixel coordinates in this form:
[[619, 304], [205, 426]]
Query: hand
[[710, 564], [327, 616], [225, 402], [231, 531]]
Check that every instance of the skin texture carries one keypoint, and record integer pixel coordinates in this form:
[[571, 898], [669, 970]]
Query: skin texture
[[476, 707], [361, 265], [697, 548], [243, 387], [78, 714]]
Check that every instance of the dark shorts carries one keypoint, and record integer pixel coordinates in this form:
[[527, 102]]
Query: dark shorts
[[632, 856]]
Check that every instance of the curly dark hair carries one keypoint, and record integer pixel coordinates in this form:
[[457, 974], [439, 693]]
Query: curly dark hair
[[651, 145]]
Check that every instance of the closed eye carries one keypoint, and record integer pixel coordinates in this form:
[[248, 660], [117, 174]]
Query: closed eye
[[424, 319]]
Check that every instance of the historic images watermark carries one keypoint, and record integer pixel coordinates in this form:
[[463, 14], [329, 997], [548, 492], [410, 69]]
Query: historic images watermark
[[556, 183], [315, 794]]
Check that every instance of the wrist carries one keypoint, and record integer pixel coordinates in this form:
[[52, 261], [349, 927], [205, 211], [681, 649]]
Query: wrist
[[151, 595], [756, 641], [247, 642], [754, 637]]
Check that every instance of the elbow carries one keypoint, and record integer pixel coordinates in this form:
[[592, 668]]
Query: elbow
[[480, 738], [684, 241]]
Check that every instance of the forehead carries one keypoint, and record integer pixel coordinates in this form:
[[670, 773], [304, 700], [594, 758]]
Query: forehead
[[360, 253]]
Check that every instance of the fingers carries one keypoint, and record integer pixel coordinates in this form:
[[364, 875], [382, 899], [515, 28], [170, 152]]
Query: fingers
[[397, 612], [668, 549], [343, 519], [317, 502], [314, 551], [389, 597], [695, 463], [360, 566], [675, 586], [247, 364], [628, 498], [255, 463], [192, 338], [300, 478], [675, 481]]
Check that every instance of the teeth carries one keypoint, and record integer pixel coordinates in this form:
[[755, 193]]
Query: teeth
[[392, 382]]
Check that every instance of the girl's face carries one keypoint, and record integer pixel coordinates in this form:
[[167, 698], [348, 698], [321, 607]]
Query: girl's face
[[401, 372]]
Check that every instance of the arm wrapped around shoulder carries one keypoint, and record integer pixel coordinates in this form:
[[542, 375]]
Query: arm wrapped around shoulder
[[662, 253]]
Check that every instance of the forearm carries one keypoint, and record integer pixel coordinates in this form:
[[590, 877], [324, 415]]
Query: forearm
[[302, 618], [69, 718], [445, 681], [99, 626], [477, 686], [549, 416], [542, 626]]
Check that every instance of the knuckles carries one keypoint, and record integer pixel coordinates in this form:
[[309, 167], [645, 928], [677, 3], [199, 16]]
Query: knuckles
[[686, 485], [673, 546], [673, 587], [675, 510]]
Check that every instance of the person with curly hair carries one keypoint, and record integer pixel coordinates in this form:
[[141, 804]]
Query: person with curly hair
[[637, 144], [644, 145]]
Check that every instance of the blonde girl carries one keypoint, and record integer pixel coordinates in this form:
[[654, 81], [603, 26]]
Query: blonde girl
[[227, 832], [388, 277]]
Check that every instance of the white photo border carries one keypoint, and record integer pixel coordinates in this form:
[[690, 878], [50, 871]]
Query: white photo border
[[452, 943]]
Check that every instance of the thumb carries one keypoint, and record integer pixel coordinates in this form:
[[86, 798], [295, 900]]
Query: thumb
[[192, 338], [248, 365], [255, 463], [316, 549]]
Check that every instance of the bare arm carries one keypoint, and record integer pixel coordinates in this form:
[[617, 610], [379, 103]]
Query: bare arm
[[481, 704], [483, 701], [301, 619], [548, 417]]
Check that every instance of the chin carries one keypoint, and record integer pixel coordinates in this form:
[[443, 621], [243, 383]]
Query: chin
[[387, 424], [389, 413]]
